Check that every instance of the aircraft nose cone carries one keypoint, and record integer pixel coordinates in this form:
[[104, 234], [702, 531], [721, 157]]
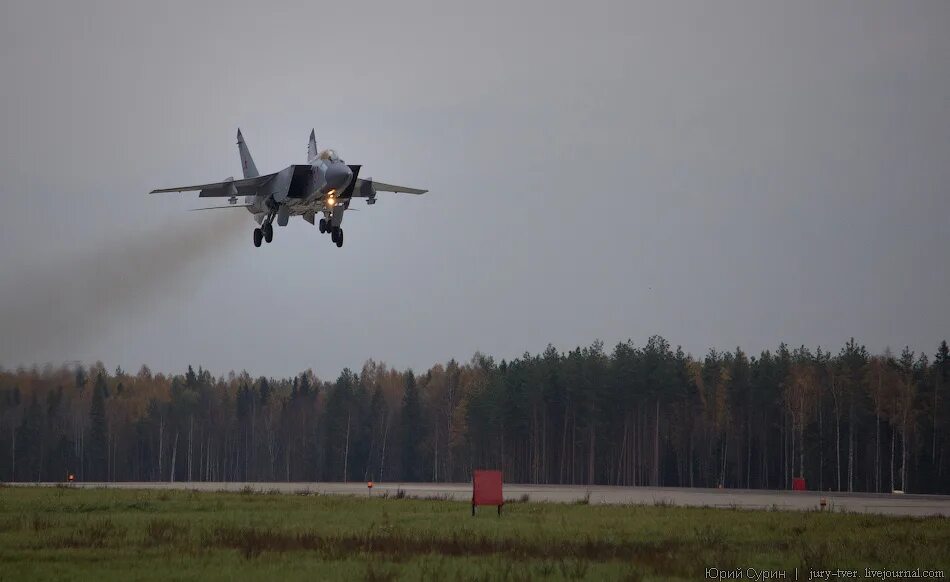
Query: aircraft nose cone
[[338, 176]]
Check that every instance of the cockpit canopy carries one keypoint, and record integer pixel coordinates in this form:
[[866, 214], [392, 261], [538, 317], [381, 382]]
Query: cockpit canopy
[[329, 155]]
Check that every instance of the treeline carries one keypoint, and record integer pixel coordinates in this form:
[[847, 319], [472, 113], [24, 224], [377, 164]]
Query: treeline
[[649, 415]]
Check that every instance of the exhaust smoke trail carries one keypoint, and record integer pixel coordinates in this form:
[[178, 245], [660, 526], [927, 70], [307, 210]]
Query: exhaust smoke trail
[[48, 311]]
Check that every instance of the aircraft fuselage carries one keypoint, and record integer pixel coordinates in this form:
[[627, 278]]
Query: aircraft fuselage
[[303, 188]]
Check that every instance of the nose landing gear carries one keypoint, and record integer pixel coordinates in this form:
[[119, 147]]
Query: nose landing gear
[[336, 233]]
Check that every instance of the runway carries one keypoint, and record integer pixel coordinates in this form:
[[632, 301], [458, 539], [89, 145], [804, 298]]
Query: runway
[[878, 503]]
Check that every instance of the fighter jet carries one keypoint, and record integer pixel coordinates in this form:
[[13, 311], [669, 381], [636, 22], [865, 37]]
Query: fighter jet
[[324, 185]]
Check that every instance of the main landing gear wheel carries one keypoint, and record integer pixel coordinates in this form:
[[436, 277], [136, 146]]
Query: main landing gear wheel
[[323, 225], [268, 230], [339, 237], [258, 235]]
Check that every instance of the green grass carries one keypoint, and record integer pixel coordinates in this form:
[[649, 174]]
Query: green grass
[[64, 533]]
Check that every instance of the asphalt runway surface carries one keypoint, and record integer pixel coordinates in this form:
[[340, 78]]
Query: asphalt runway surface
[[880, 503]]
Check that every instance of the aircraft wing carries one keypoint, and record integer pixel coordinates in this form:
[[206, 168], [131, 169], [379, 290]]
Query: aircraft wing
[[383, 187], [226, 188]]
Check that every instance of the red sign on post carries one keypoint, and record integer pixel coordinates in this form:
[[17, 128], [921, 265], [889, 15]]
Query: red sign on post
[[486, 489], [798, 484]]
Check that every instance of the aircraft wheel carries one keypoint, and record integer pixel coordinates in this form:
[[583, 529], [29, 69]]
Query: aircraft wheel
[[339, 238], [268, 231], [323, 225], [258, 235]]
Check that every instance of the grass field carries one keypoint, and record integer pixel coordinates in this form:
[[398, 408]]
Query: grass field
[[63, 533]]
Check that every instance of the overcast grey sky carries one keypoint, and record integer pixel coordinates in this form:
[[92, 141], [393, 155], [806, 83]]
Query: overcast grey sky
[[721, 173]]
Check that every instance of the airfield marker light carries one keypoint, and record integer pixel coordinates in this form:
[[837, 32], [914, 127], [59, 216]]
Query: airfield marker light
[[369, 487]]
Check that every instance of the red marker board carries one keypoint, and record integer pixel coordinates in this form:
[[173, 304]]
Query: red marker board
[[486, 489], [798, 484]]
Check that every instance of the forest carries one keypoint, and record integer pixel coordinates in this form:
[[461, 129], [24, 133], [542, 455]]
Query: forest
[[632, 415]]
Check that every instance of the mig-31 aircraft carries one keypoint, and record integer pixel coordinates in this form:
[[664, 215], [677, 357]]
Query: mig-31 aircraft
[[324, 185]]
